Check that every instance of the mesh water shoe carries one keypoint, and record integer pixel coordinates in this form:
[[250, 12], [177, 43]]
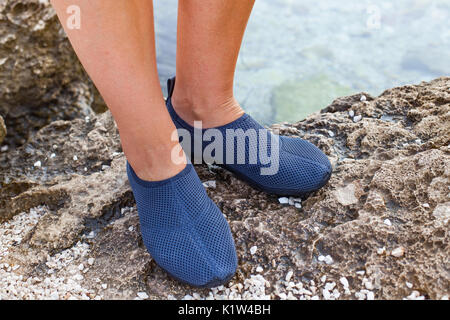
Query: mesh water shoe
[[275, 164], [184, 231]]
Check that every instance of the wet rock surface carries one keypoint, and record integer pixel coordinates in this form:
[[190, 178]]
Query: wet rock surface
[[378, 230]]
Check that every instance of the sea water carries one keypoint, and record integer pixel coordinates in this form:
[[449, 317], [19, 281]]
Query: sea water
[[299, 55]]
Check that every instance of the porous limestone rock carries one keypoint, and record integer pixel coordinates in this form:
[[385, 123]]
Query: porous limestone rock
[[41, 79], [386, 166]]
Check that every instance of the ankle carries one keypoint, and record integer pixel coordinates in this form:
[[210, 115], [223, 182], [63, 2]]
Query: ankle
[[156, 163], [212, 109]]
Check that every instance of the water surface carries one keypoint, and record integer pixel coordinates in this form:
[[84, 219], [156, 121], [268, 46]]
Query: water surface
[[298, 55]]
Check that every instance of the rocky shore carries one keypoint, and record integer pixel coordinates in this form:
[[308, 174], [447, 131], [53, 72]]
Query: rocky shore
[[68, 222]]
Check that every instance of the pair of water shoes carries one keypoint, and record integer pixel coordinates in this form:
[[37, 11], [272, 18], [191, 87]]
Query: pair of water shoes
[[182, 228]]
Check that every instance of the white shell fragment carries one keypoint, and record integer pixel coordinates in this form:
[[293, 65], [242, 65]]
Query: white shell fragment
[[398, 252]]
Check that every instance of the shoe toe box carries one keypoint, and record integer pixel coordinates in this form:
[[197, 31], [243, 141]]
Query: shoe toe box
[[302, 168], [202, 253]]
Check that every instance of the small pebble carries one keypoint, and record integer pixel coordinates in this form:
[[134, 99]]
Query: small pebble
[[331, 133], [368, 285], [328, 259], [4, 148], [52, 156], [253, 250], [291, 296], [387, 222], [307, 292], [344, 282], [425, 205], [330, 286], [37, 164], [142, 295], [351, 113], [357, 118], [259, 269], [398, 252], [75, 158], [78, 277], [415, 295], [370, 295], [283, 200], [360, 295], [91, 261], [210, 184], [409, 284], [336, 293], [289, 275], [326, 294], [297, 200], [363, 98]]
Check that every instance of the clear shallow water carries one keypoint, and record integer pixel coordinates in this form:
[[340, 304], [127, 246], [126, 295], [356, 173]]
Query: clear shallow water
[[299, 55]]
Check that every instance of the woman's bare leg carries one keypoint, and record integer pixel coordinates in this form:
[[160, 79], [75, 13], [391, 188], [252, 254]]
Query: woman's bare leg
[[116, 45], [210, 34]]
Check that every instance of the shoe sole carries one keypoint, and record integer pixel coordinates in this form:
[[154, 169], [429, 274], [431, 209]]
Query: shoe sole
[[278, 192], [212, 284]]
